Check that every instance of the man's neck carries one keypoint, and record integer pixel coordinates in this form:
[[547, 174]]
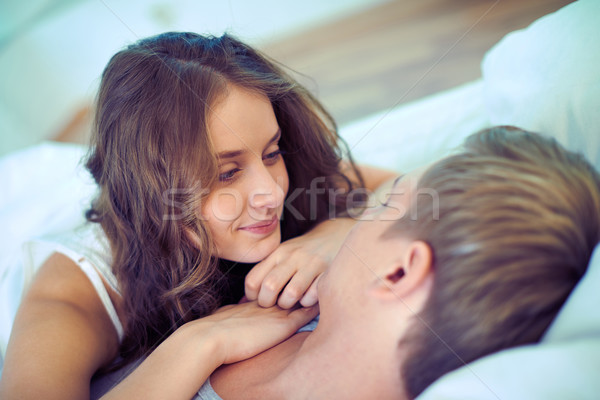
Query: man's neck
[[320, 366]]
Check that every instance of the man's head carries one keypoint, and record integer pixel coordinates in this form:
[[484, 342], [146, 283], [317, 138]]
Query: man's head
[[474, 255], [518, 219]]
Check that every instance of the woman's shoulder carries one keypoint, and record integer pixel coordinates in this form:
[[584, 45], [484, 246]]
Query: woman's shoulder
[[88, 249], [86, 242], [59, 313]]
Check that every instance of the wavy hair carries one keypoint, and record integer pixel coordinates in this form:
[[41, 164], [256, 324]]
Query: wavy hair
[[519, 217], [151, 156]]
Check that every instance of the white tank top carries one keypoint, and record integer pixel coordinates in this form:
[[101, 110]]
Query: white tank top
[[88, 247]]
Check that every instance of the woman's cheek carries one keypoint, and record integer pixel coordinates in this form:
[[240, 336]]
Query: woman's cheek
[[225, 205]]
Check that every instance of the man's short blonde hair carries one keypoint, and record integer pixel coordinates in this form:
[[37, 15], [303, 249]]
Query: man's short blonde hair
[[519, 217]]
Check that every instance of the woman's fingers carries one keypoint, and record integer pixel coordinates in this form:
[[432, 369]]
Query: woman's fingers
[[274, 282], [311, 297], [267, 279], [300, 285], [285, 280], [256, 276], [295, 265]]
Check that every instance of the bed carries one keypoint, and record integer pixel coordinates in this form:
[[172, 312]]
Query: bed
[[544, 78]]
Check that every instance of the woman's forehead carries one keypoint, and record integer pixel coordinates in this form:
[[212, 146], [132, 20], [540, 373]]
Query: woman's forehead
[[241, 121]]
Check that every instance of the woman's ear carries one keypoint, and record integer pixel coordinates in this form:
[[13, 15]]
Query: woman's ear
[[409, 272]]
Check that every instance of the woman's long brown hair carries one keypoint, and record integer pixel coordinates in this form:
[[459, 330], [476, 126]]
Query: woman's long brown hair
[[152, 159]]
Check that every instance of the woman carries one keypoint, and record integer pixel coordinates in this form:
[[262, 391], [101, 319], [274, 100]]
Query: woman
[[201, 146], [475, 255]]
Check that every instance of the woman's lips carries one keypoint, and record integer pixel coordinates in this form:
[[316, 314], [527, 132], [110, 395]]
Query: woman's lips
[[262, 227]]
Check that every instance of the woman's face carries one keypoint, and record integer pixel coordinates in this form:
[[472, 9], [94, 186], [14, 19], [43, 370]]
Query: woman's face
[[244, 208]]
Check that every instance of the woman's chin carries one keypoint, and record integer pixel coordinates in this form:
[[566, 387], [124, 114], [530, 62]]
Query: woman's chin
[[256, 253], [258, 256]]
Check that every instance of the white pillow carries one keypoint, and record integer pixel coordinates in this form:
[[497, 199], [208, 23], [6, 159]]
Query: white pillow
[[420, 132], [546, 78]]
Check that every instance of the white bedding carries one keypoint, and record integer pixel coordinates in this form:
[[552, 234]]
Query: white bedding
[[46, 191]]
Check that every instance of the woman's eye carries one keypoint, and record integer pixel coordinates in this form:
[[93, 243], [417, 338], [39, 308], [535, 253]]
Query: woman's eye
[[229, 175], [273, 156]]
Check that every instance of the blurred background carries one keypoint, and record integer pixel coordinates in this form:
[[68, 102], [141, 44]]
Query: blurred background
[[358, 56]]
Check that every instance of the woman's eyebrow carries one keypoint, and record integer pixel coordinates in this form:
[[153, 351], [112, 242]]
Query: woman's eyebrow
[[235, 153], [275, 138], [230, 154]]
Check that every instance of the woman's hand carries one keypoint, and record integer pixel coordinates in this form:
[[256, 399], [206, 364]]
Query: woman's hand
[[290, 274], [245, 330], [181, 364]]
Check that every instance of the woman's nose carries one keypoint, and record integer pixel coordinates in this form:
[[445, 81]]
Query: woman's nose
[[268, 192]]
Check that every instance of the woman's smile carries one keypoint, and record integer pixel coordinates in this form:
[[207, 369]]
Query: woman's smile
[[264, 227]]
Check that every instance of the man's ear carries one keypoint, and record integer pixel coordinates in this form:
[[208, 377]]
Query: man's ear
[[409, 272]]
